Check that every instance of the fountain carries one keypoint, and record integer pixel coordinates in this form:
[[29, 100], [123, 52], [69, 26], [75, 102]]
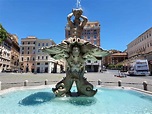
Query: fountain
[[39, 100], [75, 51]]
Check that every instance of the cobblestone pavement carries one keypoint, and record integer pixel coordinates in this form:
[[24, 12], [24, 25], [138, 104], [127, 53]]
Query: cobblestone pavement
[[107, 78]]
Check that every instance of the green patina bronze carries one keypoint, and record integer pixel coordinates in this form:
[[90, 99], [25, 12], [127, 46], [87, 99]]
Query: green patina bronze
[[75, 51]]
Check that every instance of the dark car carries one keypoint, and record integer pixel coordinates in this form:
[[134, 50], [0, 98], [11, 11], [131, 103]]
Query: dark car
[[8, 70]]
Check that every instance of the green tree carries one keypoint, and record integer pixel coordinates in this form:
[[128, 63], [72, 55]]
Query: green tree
[[3, 33], [119, 66], [111, 66]]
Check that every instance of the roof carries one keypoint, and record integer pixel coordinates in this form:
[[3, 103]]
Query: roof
[[119, 54]]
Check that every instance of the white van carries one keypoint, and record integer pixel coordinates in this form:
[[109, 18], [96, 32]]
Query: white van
[[139, 67]]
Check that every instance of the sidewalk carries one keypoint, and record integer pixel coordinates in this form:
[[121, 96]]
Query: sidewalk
[[107, 78]]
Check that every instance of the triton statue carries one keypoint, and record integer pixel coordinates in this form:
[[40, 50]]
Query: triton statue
[[76, 27], [75, 51]]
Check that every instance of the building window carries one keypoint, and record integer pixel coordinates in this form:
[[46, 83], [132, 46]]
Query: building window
[[88, 32], [46, 44], [22, 48], [38, 57], [33, 59], [39, 44], [42, 57], [28, 52], [33, 42], [28, 48], [33, 48], [82, 37], [22, 52], [46, 57], [95, 37], [46, 63], [23, 43], [95, 32], [88, 37], [28, 42], [28, 58], [95, 42], [68, 32], [38, 63], [22, 58], [43, 44]]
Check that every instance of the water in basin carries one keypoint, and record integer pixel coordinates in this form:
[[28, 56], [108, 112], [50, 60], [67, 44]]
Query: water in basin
[[106, 101]]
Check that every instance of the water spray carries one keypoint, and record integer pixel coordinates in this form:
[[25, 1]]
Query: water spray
[[78, 4]]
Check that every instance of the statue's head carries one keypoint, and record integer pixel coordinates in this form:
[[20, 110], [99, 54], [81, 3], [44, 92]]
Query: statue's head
[[77, 12], [76, 51]]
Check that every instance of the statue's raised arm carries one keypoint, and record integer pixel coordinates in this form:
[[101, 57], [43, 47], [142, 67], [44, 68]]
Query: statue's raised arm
[[69, 20], [85, 20]]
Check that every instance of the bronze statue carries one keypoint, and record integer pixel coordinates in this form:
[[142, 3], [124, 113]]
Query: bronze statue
[[76, 27], [75, 51]]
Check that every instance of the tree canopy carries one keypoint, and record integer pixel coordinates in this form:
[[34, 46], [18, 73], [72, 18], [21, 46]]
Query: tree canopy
[[3, 33]]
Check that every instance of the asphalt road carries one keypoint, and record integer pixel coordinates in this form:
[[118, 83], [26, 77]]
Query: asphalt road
[[108, 78]]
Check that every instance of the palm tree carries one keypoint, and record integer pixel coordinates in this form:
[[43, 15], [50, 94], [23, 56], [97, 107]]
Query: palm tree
[[3, 33]]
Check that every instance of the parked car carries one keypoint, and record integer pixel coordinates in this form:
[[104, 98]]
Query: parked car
[[16, 71], [8, 70]]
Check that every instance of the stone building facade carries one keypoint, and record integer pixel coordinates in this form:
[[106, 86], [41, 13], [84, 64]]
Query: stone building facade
[[27, 54], [115, 58], [9, 54], [15, 53], [141, 48], [5, 54], [34, 60]]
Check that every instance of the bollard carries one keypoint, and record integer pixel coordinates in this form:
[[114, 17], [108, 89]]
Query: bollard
[[145, 85], [25, 82], [0, 85], [46, 81], [99, 82], [119, 83]]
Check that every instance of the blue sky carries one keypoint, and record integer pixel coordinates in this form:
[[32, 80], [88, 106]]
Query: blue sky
[[121, 20]]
